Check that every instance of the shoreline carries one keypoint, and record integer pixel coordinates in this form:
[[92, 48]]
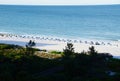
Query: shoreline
[[58, 44]]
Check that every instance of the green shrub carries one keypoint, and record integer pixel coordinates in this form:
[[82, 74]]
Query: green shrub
[[43, 50], [56, 52]]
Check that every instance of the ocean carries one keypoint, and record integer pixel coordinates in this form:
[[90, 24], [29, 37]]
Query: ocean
[[74, 22]]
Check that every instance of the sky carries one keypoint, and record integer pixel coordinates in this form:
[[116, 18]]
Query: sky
[[60, 2]]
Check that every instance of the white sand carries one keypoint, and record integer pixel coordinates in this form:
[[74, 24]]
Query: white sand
[[113, 49]]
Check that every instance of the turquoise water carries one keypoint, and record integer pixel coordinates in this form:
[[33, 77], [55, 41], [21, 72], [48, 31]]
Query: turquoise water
[[87, 22]]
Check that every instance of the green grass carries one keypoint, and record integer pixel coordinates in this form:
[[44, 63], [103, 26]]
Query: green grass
[[9, 46]]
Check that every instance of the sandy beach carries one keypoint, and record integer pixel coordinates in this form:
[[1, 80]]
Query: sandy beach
[[112, 47]]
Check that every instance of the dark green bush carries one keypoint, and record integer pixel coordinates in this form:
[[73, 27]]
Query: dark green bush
[[56, 52]]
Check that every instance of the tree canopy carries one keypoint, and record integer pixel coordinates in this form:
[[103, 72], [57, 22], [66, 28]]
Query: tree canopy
[[17, 65]]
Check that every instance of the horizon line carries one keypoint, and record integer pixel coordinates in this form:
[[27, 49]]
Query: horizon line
[[61, 4]]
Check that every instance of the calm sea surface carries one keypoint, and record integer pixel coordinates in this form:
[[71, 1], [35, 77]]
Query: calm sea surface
[[87, 22]]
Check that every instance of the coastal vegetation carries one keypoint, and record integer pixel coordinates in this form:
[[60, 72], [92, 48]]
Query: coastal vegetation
[[30, 64]]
